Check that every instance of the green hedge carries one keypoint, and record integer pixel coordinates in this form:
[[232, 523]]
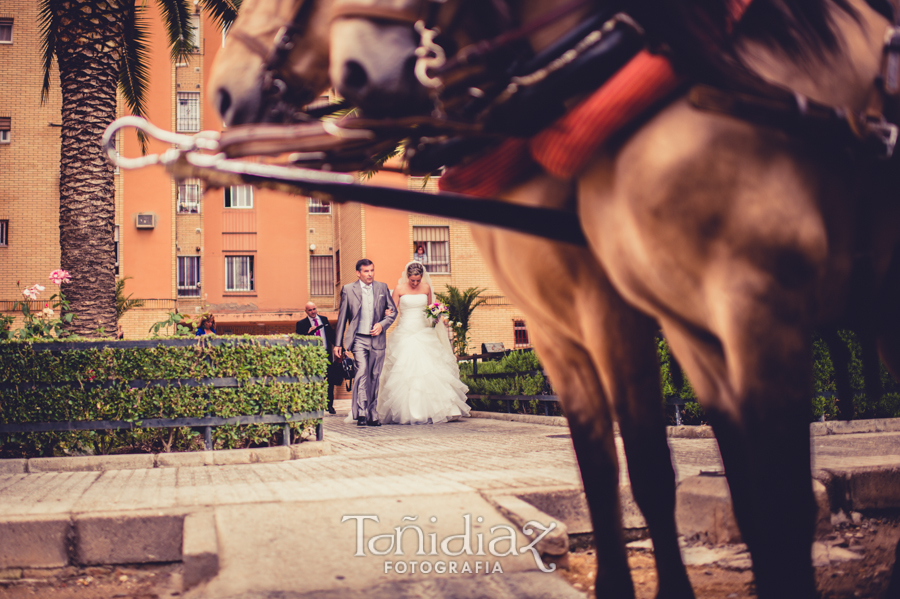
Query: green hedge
[[84, 381], [821, 393]]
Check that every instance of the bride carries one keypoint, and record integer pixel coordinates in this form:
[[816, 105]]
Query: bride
[[420, 380]]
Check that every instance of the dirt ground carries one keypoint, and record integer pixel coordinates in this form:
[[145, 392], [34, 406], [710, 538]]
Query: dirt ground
[[875, 538], [120, 582], [866, 578]]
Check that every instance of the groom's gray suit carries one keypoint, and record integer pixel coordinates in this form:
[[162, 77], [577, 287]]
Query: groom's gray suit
[[368, 351]]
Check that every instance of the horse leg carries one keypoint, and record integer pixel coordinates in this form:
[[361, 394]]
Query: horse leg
[[754, 385], [639, 407], [584, 403]]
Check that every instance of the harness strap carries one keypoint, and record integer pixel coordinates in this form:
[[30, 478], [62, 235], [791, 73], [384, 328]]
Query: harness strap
[[377, 13]]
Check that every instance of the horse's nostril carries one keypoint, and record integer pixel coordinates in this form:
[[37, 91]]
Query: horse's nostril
[[223, 102], [354, 75]]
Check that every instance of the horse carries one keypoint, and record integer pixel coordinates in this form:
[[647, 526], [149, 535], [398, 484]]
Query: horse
[[275, 55], [599, 352], [739, 239]]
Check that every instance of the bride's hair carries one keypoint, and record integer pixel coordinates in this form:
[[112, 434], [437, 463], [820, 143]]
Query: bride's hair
[[415, 270]]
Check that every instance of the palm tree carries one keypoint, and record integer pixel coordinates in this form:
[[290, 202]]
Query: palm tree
[[100, 46], [460, 305]]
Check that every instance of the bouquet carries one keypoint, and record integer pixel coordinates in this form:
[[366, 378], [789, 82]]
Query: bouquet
[[434, 312]]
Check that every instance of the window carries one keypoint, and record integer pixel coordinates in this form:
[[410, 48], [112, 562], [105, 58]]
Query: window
[[239, 196], [4, 233], [195, 32], [239, 273], [6, 31], [188, 111], [189, 193], [437, 247], [5, 127], [188, 276], [321, 275], [118, 246], [521, 334], [319, 207]]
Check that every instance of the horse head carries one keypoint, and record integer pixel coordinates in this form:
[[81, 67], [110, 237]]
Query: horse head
[[373, 55], [275, 59]]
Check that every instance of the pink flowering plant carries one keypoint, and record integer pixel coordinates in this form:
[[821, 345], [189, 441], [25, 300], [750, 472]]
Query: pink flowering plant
[[43, 324], [436, 311]]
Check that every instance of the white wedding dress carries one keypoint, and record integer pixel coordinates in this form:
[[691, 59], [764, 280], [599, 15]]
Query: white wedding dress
[[420, 379]]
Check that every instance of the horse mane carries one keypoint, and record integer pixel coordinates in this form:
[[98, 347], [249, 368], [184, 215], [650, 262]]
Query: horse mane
[[703, 34]]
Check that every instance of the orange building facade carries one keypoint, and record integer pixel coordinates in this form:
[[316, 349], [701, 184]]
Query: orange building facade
[[251, 257]]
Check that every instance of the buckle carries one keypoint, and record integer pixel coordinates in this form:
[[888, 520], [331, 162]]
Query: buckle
[[885, 133]]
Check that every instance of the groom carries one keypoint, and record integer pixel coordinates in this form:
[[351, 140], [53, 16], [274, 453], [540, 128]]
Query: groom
[[363, 305]]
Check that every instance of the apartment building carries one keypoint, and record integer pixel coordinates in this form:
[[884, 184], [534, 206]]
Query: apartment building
[[252, 257]]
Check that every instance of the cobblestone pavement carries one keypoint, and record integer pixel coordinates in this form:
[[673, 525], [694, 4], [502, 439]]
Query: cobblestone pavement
[[472, 454]]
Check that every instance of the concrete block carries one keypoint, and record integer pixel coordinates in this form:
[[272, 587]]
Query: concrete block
[[848, 427], [200, 549], [567, 505], [872, 488], [823, 508], [818, 429], [259, 455], [703, 506], [521, 513], [13, 466], [128, 537], [311, 449], [34, 541], [690, 432], [11, 574], [92, 463], [527, 418], [888, 425], [185, 459]]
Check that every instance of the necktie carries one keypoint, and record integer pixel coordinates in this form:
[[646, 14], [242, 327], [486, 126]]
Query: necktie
[[315, 324]]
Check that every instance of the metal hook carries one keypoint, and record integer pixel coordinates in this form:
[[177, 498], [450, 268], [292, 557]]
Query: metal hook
[[430, 55], [204, 140]]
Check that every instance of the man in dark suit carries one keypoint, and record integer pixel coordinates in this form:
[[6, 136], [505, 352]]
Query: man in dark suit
[[366, 313], [321, 329]]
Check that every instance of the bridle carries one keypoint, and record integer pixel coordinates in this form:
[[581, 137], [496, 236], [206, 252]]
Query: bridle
[[274, 87]]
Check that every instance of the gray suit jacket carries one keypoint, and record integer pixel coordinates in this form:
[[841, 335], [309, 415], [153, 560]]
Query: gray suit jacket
[[351, 302]]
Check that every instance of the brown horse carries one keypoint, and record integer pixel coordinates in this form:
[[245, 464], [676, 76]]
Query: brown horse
[[580, 330], [737, 270], [253, 75]]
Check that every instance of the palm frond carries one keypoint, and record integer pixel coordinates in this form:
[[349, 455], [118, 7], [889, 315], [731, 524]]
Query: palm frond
[[49, 25], [134, 73], [123, 303], [177, 18], [379, 160], [223, 12]]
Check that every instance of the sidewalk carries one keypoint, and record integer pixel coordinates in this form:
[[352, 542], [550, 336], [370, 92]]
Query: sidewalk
[[265, 529]]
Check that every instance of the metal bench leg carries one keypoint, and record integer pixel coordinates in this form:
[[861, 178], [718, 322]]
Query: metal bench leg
[[207, 437], [287, 434], [320, 431]]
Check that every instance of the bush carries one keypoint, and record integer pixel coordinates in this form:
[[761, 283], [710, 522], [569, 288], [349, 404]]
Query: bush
[[90, 381]]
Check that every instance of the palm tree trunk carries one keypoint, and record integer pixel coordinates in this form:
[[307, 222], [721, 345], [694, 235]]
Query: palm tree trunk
[[88, 49]]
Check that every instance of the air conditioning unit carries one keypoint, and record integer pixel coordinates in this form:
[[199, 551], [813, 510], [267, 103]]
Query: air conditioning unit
[[145, 220]]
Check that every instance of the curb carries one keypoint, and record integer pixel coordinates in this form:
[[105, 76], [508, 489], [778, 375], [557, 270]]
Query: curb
[[222, 457], [112, 538], [703, 431]]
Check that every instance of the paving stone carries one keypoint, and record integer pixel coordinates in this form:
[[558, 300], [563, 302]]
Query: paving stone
[[257, 455], [703, 506], [186, 458], [200, 549]]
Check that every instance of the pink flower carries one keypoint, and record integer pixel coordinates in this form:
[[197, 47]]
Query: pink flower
[[58, 277], [33, 291]]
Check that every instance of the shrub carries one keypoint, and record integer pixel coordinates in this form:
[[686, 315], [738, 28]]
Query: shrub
[[59, 382]]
